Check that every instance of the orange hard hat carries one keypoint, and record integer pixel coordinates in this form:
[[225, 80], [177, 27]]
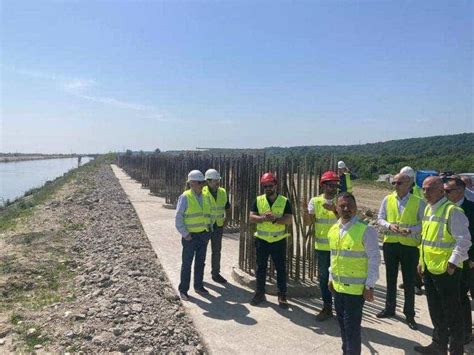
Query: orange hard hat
[[268, 177], [329, 176]]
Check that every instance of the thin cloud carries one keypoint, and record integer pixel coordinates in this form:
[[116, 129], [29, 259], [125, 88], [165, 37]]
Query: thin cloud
[[78, 86]]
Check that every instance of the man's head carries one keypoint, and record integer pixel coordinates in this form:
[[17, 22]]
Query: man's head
[[467, 181], [341, 167], [408, 170], [454, 188], [346, 206], [402, 183], [329, 183], [196, 181], [213, 179], [268, 182], [433, 189]]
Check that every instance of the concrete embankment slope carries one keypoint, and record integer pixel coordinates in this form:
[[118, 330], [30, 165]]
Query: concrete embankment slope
[[229, 324]]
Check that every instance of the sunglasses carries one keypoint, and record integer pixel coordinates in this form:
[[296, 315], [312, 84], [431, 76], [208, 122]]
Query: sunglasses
[[200, 182], [398, 183], [448, 191], [331, 185], [268, 186]]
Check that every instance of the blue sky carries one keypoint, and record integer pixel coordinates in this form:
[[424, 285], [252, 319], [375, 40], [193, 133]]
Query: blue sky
[[98, 76]]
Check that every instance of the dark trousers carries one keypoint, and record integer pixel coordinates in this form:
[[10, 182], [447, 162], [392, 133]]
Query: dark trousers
[[277, 251], [443, 294], [324, 261], [216, 247], [193, 249], [349, 315], [467, 280], [396, 254]]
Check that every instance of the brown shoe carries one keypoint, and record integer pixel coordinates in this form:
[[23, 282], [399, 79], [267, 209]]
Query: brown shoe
[[282, 301], [325, 314]]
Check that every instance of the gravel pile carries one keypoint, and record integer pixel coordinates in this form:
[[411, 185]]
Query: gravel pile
[[120, 297]]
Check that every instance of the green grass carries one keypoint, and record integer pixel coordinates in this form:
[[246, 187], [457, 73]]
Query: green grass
[[7, 264], [30, 340]]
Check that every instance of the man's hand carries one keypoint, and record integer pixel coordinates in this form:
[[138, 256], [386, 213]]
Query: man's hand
[[394, 228], [331, 287], [451, 268], [419, 270], [269, 217], [471, 264], [188, 237], [330, 207], [304, 206], [368, 294], [405, 231]]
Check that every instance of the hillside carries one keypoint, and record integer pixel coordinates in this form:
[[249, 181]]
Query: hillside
[[452, 152]]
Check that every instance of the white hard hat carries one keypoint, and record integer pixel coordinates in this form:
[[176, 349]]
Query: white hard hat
[[212, 174], [408, 170], [341, 164], [195, 175]]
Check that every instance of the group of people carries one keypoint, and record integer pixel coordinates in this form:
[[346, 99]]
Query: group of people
[[426, 230]]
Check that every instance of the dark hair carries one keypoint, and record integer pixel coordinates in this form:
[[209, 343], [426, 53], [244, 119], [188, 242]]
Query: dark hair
[[457, 179], [346, 195]]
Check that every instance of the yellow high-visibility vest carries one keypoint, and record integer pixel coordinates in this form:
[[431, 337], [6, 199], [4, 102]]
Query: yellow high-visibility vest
[[217, 205], [197, 218], [347, 176], [323, 221], [349, 261], [437, 243], [268, 231], [408, 219]]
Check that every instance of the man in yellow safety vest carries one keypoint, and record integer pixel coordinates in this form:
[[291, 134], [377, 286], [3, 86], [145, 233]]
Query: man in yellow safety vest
[[400, 214], [321, 211], [271, 212], [219, 210], [193, 222], [355, 261], [445, 241]]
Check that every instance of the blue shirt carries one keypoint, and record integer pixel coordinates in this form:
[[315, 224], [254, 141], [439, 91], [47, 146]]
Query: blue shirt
[[181, 207]]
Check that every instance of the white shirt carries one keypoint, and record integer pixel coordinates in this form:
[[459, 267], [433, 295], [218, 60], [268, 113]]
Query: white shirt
[[401, 203], [458, 226], [371, 246]]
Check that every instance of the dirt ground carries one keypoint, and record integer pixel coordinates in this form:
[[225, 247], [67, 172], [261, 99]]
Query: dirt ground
[[369, 196]]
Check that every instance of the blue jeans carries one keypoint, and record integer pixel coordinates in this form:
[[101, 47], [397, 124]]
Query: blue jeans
[[193, 249], [324, 261], [349, 315]]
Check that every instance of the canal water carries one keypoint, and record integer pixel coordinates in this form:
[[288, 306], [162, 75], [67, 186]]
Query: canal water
[[18, 177]]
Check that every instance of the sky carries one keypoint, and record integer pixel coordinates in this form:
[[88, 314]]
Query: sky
[[98, 76]]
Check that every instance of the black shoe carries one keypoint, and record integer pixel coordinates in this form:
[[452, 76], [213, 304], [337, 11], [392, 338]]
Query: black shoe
[[433, 348], [219, 279], [401, 286], [418, 291], [385, 314], [184, 296], [201, 291], [282, 301], [259, 297], [411, 323]]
